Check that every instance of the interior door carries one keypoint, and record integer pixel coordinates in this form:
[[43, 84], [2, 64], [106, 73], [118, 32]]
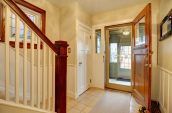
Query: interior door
[[83, 55], [142, 57], [82, 78]]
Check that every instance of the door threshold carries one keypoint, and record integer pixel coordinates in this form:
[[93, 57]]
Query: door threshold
[[119, 87], [120, 82]]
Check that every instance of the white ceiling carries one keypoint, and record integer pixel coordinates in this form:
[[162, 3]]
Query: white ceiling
[[97, 6]]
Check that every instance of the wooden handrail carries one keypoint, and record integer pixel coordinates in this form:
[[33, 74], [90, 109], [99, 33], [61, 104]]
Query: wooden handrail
[[26, 19]]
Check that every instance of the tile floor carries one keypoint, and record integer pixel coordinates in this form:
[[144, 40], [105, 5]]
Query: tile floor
[[86, 102]]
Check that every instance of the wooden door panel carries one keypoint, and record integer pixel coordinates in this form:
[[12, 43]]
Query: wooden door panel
[[139, 71], [141, 53], [139, 76]]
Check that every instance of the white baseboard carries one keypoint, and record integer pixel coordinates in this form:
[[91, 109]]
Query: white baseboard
[[161, 108]]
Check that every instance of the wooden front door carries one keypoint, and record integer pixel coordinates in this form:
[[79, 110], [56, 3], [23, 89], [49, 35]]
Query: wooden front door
[[142, 57]]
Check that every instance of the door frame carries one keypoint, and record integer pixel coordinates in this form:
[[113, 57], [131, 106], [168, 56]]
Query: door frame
[[107, 61]]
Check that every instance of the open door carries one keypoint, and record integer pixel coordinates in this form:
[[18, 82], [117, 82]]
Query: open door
[[118, 56], [141, 57]]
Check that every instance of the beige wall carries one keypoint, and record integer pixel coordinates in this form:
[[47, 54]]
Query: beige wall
[[68, 29], [120, 15], [127, 14], [83, 16], [52, 18], [155, 11], [69, 15], [165, 48]]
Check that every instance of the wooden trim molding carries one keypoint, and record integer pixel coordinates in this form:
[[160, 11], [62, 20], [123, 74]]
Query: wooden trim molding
[[1, 24], [119, 25], [12, 44], [26, 19]]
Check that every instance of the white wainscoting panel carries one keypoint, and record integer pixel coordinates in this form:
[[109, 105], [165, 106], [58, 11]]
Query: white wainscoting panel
[[165, 92], [71, 80]]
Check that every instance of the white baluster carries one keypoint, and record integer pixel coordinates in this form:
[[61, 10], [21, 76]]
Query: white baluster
[[32, 70], [17, 58], [49, 78], [53, 81], [44, 75], [25, 66], [38, 82], [7, 62]]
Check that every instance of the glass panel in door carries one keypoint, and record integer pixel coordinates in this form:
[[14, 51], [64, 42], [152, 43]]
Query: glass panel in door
[[140, 33]]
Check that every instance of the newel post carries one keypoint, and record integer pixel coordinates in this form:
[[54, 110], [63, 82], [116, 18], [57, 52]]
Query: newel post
[[61, 76]]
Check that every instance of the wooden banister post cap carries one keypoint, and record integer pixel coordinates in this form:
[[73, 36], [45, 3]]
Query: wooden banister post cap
[[61, 47]]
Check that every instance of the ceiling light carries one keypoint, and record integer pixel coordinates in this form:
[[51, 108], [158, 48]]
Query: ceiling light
[[126, 33]]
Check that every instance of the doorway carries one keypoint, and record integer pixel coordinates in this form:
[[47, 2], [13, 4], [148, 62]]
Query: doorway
[[139, 61], [118, 57]]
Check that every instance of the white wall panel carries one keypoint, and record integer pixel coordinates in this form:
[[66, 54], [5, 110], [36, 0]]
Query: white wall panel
[[165, 92]]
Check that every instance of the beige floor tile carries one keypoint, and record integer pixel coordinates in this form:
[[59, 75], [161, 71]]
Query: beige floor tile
[[80, 106], [69, 107], [74, 111], [87, 110], [72, 102], [92, 103], [81, 98], [86, 102]]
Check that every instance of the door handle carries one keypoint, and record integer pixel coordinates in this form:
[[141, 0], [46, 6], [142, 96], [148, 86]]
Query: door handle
[[151, 52], [80, 63], [148, 65]]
